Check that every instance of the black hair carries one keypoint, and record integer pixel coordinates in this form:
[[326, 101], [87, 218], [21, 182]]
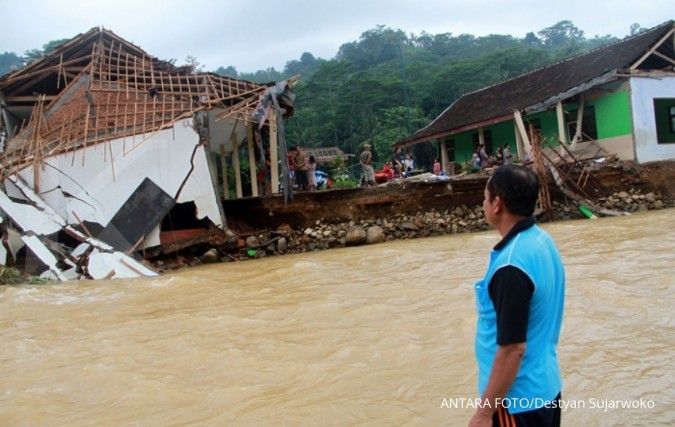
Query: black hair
[[311, 159], [517, 186]]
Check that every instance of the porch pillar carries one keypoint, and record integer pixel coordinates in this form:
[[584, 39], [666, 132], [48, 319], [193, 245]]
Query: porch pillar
[[252, 160]]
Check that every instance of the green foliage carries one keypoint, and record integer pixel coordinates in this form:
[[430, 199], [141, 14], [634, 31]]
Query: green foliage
[[9, 61], [10, 276], [387, 84], [345, 181], [34, 54]]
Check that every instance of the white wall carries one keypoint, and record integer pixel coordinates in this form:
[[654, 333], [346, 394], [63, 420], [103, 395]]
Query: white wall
[[643, 92], [96, 194]]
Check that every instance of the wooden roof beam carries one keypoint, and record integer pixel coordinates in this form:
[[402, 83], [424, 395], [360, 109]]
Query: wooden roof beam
[[652, 50]]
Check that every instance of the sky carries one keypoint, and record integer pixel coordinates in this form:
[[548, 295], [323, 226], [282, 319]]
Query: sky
[[255, 35]]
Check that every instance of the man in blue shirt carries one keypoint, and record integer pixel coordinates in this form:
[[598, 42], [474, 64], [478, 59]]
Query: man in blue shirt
[[520, 306]]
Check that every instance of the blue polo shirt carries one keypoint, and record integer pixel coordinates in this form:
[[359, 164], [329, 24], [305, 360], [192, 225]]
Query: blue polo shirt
[[530, 250]]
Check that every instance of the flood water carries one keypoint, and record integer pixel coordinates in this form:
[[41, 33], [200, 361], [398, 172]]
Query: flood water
[[375, 335]]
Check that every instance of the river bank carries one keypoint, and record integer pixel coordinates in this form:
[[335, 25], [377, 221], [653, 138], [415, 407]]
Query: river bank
[[323, 235]]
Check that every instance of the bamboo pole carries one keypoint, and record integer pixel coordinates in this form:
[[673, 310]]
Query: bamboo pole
[[444, 157], [251, 160], [274, 154], [223, 165], [524, 139], [235, 161]]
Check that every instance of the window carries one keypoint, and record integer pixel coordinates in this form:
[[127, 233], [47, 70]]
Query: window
[[487, 137], [450, 146], [589, 130], [664, 114]]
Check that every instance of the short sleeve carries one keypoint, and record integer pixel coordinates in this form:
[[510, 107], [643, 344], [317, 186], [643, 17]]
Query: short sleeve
[[511, 292]]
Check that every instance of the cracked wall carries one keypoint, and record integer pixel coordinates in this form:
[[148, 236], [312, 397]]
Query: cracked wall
[[92, 184]]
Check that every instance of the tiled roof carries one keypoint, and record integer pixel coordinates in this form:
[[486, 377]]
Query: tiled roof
[[499, 100]]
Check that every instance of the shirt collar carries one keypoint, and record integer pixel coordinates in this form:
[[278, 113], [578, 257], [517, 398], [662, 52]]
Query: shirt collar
[[521, 225]]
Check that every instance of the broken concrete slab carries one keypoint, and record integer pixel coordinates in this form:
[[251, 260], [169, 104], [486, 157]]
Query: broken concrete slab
[[44, 221], [142, 211]]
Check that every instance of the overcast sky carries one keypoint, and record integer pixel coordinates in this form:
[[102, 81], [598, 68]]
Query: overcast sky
[[253, 35]]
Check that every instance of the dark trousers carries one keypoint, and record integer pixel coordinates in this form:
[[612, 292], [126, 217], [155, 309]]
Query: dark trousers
[[301, 179], [542, 417]]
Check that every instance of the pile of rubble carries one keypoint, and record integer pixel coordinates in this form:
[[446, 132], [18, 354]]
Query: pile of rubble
[[326, 235], [633, 201]]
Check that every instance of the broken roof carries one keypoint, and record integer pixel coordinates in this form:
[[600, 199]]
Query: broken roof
[[98, 87], [496, 103]]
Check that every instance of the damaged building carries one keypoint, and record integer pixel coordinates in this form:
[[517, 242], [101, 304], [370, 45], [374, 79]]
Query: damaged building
[[107, 150], [617, 99]]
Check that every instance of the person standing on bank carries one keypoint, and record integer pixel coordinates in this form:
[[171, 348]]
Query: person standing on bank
[[366, 160], [301, 165], [520, 308]]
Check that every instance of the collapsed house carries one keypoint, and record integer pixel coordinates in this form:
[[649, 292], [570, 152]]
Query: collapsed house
[[107, 150], [617, 99]]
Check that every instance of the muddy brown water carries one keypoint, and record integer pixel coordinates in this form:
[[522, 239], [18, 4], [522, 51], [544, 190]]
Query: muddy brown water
[[376, 335]]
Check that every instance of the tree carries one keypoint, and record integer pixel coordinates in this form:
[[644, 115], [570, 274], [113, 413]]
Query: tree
[[531, 40], [563, 36], [9, 61], [230, 71], [635, 28], [34, 54], [193, 63]]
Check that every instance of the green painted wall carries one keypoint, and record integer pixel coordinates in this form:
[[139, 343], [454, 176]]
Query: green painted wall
[[502, 133], [612, 115]]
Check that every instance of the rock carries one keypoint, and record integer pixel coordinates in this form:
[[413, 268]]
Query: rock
[[649, 198], [282, 245], [454, 229], [658, 204], [375, 234], [285, 230], [308, 231], [408, 226], [210, 256], [642, 207], [252, 241], [355, 236], [622, 195], [311, 246], [342, 233]]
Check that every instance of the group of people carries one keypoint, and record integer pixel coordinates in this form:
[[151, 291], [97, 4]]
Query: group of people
[[301, 169], [401, 165], [481, 159]]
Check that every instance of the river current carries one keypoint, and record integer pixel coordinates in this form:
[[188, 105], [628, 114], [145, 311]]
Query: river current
[[376, 335]]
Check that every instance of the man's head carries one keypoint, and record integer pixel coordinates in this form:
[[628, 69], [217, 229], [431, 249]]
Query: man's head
[[366, 147], [510, 190]]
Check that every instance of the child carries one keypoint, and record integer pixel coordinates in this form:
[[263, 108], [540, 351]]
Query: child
[[437, 167], [311, 168], [475, 162]]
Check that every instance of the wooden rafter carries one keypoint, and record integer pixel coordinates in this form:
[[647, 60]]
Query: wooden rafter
[[652, 50]]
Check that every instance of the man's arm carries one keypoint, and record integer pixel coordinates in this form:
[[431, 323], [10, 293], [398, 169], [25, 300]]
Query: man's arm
[[504, 370], [511, 292]]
